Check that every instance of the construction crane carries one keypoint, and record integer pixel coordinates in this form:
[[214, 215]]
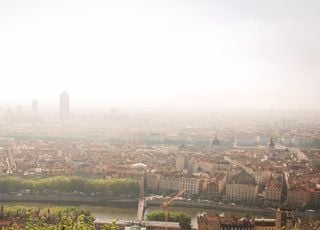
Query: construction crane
[[167, 203]]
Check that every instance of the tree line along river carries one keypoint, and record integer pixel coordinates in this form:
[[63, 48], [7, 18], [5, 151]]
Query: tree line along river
[[130, 213]]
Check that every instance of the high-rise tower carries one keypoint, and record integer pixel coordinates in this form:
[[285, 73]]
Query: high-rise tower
[[64, 106], [34, 108]]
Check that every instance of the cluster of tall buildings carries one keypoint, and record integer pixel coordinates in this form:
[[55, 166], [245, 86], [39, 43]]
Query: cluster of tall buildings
[[64, 111]]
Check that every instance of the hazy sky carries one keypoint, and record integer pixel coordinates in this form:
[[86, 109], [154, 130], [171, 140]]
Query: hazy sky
[[219, 54]]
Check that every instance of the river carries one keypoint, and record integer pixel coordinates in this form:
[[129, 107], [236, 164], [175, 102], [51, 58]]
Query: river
[[130, 213]]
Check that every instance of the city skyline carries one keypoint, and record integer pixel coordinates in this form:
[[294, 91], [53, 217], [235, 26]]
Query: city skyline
[[160, 114], [36, 107]]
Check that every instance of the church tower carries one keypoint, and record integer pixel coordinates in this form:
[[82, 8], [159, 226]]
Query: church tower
[[271, 150]]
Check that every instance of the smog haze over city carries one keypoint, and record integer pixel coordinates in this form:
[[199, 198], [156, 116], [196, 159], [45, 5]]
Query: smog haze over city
[[159, 114], [208, 54]]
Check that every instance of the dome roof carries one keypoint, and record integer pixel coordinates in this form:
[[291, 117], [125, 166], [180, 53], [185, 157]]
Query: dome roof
[[182, 147], [215, 141]]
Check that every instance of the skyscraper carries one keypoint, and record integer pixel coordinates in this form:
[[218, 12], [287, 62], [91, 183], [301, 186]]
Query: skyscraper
[[64, 106], [35, 107]]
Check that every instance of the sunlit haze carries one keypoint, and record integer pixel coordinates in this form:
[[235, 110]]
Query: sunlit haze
[[213, 54], [160, 114]]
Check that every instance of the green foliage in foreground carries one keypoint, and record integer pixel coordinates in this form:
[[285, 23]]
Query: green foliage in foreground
[[65, 184], [112, 226], [183, 219], [67, 218]]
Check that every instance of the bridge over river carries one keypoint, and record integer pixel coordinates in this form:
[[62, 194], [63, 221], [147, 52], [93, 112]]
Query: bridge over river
[[142, 201]]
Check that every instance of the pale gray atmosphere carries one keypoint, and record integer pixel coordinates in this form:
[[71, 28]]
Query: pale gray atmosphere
[[212, 54], [160, 114]]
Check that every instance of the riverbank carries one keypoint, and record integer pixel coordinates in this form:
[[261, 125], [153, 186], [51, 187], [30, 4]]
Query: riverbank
[[130, 213], [132, 203], [125, 202], [215, 207], [235, 210], [72, 200]]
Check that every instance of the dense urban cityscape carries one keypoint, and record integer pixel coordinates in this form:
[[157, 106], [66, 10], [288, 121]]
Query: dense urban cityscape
[[159, 115], [262, 167]]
